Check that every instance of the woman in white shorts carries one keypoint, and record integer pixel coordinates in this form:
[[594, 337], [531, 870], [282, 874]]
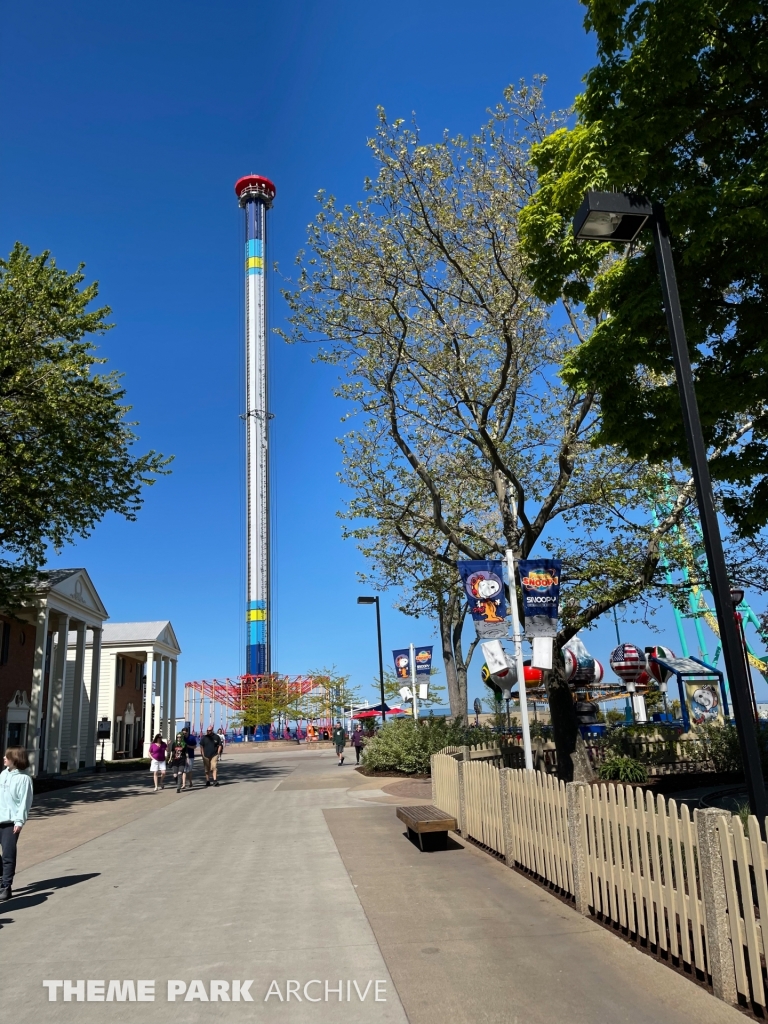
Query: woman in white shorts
[[157, 750]]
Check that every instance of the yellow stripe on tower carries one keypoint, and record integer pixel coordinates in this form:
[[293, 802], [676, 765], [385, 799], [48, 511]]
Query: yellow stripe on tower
[[254, 261], [256, 615]]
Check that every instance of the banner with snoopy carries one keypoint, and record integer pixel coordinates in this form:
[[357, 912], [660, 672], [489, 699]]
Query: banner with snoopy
[[484, 587], [704, 704]]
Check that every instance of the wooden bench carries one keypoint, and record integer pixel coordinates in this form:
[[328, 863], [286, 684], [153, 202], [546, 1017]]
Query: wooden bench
[[427, 823]]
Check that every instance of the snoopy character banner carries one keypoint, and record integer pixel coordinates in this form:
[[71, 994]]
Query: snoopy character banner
[[421, 655], [484, 587], [540, 582]]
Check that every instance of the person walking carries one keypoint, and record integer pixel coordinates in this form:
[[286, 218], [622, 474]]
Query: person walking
[[158, 752], [15, 801], [191, 744], [179, 761], [210, 747], [339, 741], [358, 742], [311, 734]]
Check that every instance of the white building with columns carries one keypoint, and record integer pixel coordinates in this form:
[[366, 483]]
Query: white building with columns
[[137, 685], [52, 709]]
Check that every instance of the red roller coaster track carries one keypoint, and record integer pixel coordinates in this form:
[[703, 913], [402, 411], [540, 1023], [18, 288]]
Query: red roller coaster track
[[232, 692]]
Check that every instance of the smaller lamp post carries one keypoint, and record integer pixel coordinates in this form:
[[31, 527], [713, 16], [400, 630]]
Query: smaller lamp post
[[375, 600]]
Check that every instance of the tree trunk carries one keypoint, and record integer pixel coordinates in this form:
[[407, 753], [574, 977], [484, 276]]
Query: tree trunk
[[451, 621], [573, 764]]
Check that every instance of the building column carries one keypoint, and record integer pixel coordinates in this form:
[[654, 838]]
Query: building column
[[172, 705], [36, 694], [147, 712], [78, 694], [56, 694], [164, 726], [91, 718]]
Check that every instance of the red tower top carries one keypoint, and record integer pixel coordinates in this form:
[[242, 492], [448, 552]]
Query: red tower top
[[255, 186]]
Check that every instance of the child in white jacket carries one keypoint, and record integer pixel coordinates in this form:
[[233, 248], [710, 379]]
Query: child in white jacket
[[15, 801]]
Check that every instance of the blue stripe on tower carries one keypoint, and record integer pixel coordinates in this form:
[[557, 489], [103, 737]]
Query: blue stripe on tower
[[256, 658]]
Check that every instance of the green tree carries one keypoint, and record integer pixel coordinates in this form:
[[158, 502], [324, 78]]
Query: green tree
[[420, 295], [676, 109], [330, 694], [65, 442]]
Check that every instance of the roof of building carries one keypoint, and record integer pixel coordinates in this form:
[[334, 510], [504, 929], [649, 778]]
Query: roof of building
[[114, 633], [132, 632], [50, 577]]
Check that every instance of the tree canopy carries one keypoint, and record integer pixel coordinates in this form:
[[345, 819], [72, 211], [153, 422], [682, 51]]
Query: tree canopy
[[65, 442], [676, 109], [465, 439]]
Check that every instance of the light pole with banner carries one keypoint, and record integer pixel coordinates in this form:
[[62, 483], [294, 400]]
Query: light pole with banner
[[620, 217]]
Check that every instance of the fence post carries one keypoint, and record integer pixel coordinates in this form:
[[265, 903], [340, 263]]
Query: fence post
[[465, 753], [432, 779], [578, 840], [462, 801], [714, 897], [506, 819]]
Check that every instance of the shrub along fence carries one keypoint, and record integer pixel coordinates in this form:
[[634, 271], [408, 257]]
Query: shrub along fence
[[691, 887]]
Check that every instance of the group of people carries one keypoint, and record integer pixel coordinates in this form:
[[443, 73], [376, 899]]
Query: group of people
[[179, 756], [339, 737]]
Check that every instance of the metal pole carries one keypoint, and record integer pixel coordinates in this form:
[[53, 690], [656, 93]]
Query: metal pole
[[412, 662], [518, 642], [381, 663], [710, 528]]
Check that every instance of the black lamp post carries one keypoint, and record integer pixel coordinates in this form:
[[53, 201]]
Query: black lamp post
[[375, 600], [618, 217]]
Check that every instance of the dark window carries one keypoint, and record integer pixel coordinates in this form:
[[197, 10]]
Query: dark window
[[120, 681], [5, 643]]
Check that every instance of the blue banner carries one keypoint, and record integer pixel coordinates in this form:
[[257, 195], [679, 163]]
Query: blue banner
[[402, 663], [484, 587], [540, 583], [421, 655], [423, 658]]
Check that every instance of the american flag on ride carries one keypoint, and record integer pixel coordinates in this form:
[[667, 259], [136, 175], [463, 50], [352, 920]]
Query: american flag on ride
[[626, 661]]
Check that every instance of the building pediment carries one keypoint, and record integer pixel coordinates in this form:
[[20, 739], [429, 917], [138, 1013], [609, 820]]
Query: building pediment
[[76, 587]]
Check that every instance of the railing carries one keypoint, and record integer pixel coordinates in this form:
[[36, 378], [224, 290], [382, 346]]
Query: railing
[[481, 818], [745, 862], [660, 755], [445, 784], [692, 887], [537, 832], [643, 865]]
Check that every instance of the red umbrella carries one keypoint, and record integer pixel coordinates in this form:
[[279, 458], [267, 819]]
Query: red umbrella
[[376, 713]]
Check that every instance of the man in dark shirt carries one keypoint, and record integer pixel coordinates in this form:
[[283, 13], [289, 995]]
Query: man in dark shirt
[[191, 743], [211, 747]]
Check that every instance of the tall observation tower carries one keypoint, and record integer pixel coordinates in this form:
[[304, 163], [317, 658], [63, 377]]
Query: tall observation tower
[[255, 194]]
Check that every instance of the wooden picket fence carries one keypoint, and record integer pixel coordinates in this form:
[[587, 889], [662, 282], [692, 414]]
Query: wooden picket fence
[[628, 858], [745, 864], [445, 784], [643, 867], [538, 826], [482, 819]]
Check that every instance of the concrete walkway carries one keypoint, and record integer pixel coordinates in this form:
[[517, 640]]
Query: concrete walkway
[[296, 870]]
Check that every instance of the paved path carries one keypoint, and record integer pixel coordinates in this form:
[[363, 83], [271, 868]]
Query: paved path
[[296, 870]]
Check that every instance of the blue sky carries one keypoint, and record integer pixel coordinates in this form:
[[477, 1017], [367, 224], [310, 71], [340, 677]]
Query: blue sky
[[124, 129]]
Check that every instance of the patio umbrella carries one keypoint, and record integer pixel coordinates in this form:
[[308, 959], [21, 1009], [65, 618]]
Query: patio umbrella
[[376, 712]]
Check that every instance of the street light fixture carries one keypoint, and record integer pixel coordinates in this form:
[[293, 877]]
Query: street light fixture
[[375, 600], [616, 216]]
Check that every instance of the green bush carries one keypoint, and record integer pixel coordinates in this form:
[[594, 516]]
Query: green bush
[[623, 768], [406, 746]]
